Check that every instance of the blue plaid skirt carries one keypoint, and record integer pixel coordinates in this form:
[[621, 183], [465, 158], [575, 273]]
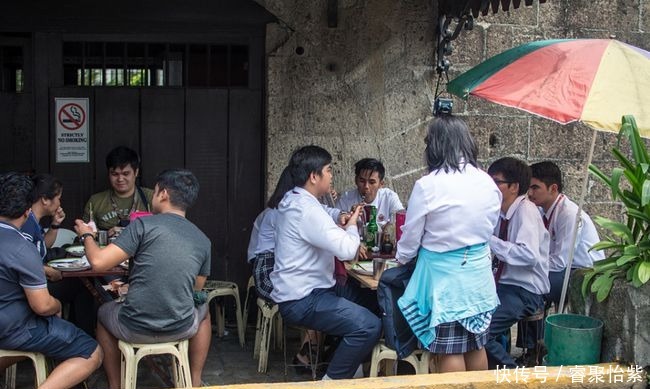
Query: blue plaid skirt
[[263, 266], [455, 338]]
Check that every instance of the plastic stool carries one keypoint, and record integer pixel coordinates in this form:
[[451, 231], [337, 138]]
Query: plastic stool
[[536, 319], [251, 284], [40, 367], [131, 357], [313, 364], [419, 359], [226, 288], [266, 313]]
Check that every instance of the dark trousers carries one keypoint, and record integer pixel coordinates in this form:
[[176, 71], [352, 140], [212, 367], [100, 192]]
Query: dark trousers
[[516, 303], [335, 312], [556, 278]]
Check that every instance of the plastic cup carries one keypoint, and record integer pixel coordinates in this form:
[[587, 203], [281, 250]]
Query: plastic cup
[[102, 238], [378, 267]]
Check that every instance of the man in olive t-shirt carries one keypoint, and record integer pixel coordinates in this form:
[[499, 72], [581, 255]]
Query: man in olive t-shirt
[[112, 207], [171, 260]]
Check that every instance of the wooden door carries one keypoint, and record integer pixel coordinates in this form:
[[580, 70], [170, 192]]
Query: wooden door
[[215, 133]]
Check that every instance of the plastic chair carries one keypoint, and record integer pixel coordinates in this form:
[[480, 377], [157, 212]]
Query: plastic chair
[[251, 285], [40, 367], [314, 355], [63, 237], [225, 288], [419, 359], [537, 320], [131, 357], [266, 313]]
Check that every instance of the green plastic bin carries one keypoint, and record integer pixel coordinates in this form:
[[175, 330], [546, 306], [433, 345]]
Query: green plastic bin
[[572, 339]]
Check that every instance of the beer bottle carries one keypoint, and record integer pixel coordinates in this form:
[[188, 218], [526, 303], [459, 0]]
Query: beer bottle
[[372, 229]]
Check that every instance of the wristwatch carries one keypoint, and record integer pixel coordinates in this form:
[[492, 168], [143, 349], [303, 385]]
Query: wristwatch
[[83, 237]]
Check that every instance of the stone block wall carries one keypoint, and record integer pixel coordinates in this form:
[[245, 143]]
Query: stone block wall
[[366, 87]]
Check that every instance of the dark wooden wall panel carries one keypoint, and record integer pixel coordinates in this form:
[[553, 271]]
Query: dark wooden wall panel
[[77, 178], [117, 123], [162, 130], [206, 155], [16, 132], [245, 183]]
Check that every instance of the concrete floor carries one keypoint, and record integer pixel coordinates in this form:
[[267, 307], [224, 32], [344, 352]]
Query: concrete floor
[[227, 363]]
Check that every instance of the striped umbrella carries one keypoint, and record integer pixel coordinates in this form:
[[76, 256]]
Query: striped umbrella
[[595, 81]]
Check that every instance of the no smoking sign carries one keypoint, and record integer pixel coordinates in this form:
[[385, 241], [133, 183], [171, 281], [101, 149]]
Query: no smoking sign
[[72, 116]]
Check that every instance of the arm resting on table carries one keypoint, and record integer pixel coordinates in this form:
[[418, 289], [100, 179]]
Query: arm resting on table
[[106, 258]]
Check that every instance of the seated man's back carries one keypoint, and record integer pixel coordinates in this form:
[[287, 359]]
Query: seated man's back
[[169, 252]]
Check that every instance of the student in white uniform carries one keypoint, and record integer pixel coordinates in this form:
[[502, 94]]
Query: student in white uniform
[[261, 247], [452, 212], [369, 179], [307, 239], [520, 243], [559, 215]]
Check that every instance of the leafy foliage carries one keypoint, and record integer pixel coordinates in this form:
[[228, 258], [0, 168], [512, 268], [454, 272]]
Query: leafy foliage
[[628, 243]]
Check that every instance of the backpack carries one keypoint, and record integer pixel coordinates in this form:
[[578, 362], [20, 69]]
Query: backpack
[[397, 332]]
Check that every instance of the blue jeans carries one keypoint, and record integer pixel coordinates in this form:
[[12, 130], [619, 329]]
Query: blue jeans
[[516, 303], [336, 314]]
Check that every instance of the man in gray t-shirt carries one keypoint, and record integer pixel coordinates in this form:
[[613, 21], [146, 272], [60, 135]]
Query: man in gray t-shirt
[[171, 260], [29, 315]]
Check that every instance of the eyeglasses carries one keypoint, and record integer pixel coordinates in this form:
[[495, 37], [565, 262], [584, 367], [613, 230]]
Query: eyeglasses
[[498, 182]]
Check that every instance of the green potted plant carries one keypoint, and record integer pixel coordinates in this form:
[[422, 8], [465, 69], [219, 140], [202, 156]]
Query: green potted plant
[[626, 268], [627, 244]]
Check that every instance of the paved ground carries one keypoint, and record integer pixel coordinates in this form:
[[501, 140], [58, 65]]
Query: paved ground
[[227, 363]]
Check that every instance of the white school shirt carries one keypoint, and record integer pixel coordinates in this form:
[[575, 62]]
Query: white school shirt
[[255, 233], [386, 203], [525, 253], [447, 211], [263, 234], [563, 216], [306, 241]]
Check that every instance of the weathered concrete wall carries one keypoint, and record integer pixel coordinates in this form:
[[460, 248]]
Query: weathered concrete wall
[[626, 334], [365, 88]]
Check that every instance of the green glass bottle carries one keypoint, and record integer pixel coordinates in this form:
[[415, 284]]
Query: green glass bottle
[[372, 229]]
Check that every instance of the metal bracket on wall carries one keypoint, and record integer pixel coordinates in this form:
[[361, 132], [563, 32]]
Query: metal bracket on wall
[[446, 34], [332, 13]]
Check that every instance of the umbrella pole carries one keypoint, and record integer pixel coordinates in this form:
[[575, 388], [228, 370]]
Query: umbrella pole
[[576, 227]]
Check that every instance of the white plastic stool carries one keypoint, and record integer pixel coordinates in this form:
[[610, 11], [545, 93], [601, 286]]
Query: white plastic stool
[[226, 288], [251, 285], [40, 367], [419, 359], [132, 353], [266, 313]]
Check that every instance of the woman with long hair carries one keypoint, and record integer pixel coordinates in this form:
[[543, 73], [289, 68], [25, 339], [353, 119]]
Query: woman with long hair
[[450, 217]]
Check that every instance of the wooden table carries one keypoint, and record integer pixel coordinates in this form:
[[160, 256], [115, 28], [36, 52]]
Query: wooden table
[[89, 279], [364, 280]]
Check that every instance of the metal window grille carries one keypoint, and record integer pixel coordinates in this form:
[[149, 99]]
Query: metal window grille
[[155, 64]]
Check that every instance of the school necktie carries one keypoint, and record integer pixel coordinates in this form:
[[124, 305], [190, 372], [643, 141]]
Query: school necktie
[[503, 235], [547, 221]]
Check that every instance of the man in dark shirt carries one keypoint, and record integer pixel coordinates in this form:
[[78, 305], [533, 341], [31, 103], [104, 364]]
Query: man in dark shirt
[[30, 319]]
